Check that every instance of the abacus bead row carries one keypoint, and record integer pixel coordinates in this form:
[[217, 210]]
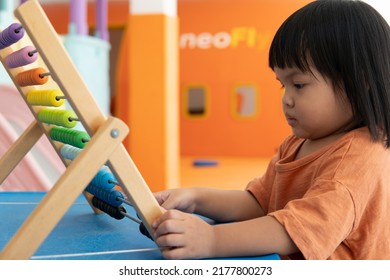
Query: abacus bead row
[[65, 118], [107, 195], [21, 57], [11, 35], [69, 136], [45, 97], [104, 179], [115, 212], [69, 152], [35, 76]]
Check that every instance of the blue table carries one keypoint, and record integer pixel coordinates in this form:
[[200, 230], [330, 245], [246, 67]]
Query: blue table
[[81, 234]]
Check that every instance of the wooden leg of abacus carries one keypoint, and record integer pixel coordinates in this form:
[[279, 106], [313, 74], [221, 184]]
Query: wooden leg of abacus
[[19, 149], [135, 187]]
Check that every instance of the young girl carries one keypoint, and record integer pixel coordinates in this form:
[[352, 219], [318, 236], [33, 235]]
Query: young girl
[[326, 193]]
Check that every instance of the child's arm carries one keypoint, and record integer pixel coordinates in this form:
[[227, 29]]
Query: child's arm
[[187, 237], [219, 205]]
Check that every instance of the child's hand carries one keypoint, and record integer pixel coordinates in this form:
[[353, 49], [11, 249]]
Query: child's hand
[[180, 199], [185, 236]]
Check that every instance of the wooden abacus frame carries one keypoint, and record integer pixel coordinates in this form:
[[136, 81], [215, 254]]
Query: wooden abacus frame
[[105, 146]]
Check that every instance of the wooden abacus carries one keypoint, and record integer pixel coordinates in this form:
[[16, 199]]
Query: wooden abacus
[[103, 148]]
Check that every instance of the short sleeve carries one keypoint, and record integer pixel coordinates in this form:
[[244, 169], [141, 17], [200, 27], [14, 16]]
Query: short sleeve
[[261, 187], [320, 221]]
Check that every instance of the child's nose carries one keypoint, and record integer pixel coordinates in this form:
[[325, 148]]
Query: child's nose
[[287, 99]]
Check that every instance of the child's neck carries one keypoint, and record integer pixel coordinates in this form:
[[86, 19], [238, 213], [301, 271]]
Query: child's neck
[[310, 146]]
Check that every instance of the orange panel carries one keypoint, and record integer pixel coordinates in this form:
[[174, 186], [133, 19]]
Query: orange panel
[[225, 43], [153, 100]]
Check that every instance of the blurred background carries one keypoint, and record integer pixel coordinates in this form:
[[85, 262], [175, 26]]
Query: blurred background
[[189, 77]]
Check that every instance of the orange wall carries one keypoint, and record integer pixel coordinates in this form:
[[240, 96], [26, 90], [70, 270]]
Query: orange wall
[[152, 100], [251, 25]]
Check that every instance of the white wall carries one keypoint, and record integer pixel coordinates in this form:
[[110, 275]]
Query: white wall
[[380, 6]]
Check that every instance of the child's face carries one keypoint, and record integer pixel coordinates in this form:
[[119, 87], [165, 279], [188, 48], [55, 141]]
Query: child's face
[[311, 106]]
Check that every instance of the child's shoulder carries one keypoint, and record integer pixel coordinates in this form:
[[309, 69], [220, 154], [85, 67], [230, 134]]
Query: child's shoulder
[[357, 146], [361, 143], [357, 141]]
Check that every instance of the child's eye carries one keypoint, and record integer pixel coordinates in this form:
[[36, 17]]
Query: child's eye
[[299, 86]]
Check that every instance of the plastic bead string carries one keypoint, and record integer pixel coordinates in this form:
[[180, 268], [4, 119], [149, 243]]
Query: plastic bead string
[[110, 202], [22, 57], [108, 195], [69, 136], [115, 212], [104, 179], [46, 97], [102, 188], [69, 152], [107, 198], [65, 118], [11, 35], [36, 76]]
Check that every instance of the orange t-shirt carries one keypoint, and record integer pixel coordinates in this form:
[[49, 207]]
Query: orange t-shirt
[[335, 202]]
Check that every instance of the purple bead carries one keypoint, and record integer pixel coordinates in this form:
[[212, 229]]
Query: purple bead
[[21, 57], [11, 35]]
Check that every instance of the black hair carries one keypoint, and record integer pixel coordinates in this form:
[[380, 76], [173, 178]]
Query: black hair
[[349, 43]]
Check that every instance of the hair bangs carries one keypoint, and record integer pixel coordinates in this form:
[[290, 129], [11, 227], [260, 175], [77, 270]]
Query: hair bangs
[[289, 47]]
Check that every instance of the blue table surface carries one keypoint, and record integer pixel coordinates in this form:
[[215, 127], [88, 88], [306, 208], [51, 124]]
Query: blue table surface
[[81, 234]]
